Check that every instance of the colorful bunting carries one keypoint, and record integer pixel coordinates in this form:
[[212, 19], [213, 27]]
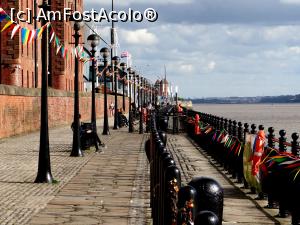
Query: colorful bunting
[[24, 35], [7, 25], [28, 35], [15, 30]]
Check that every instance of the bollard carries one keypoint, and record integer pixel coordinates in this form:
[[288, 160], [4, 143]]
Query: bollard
[[206, 218], [165, 161], [170, 195], [295, 144], [163, 137], [147, 149], [239, 162], [209, 196], [282, 140], [271, 144], [186, 205]]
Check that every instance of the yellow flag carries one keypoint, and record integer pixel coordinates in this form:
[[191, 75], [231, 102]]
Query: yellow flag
[[7, 25]]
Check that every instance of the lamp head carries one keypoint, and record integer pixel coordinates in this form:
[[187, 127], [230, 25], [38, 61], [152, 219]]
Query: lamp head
[[123, 66], [104, 52], [116, 60], [93, 40]]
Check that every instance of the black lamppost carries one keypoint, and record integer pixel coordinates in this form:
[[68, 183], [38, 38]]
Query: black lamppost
[[44, 167], [134, 92], [141, 129], [94, 40], [76, 150], [130, 127], [116, 61], [104, 52], [123, 67]]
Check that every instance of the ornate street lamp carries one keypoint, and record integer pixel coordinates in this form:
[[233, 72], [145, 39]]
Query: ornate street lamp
[[115, 62], [123, 67], [94, 41], [134, 92], [130, 73], [104, 52], [76, 150], [44, 168], [141, 129]]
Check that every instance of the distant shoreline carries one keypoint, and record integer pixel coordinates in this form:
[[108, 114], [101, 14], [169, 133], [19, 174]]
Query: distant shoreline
[[282, 99]]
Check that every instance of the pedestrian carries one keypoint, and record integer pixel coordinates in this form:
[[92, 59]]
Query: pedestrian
[[111, 108]]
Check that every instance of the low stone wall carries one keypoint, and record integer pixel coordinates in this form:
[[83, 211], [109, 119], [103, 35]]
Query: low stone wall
[[20, 108]]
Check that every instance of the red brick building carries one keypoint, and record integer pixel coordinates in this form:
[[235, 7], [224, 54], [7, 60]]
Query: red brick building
[[20, 66]]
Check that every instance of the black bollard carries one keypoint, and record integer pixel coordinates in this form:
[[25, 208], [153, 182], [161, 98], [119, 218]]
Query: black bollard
[[209, 196], [295, 144], [163, 137], [186, 205], [170, 195], [148, 149], [272, 204], [239, 162], [282, 140], [206, 218]]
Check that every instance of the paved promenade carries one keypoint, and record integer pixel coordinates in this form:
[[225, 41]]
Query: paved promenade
[[95, 189], [110, 187], [238, 207]]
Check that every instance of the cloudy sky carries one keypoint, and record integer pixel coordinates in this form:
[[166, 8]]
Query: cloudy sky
[[215, 47]]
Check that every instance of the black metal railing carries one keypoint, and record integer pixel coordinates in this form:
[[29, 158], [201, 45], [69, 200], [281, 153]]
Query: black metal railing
[[228, 142], [171, 202]]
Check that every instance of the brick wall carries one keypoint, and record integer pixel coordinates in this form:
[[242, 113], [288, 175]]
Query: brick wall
[[20, 109]]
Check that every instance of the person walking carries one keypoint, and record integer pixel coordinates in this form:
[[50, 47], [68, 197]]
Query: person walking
[[111, 108]]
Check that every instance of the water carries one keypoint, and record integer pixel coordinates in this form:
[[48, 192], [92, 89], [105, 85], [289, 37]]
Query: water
[[279, 116]]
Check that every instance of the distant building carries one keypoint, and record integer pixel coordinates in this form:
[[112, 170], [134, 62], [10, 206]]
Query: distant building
[[21, 66], [162, 87]]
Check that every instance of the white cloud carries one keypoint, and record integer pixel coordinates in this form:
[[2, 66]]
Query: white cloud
[[139, 37], [290, 1], [186, 68], [211, 65]]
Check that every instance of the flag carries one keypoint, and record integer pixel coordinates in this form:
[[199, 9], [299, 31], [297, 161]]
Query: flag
[[15, 30], [32, 36], [7, 25], [24, 35], [3, 15], [125, 54], [52, 36]]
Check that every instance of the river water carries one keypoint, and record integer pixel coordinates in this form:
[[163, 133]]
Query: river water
[[279, 116]]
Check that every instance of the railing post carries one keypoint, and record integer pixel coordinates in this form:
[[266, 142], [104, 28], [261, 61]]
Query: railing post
[[210, 196], [226, 124], [283, 212], [282, 140], [295, 144], [253, 129], [271, 144], [186, 205], [271, 136], [246, 131], [221, 123], [239, 165], [230, 127], [234, 128]]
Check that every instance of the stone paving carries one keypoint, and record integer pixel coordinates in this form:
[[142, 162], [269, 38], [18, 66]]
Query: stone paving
[[192, 161], [112, 188], [109, 187], [21, 199]]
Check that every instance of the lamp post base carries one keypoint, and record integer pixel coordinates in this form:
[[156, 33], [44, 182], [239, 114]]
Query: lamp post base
[[44, 178]]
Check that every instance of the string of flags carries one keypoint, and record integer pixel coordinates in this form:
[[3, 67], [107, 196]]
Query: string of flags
[[28, 35], [230, 142]]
